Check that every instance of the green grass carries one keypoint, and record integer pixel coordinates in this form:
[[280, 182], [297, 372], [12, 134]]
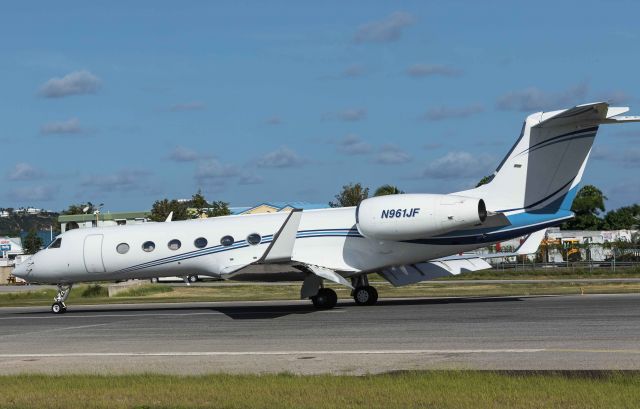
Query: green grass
[[244, 292], [94, 290], [145, 290], [434, 389]]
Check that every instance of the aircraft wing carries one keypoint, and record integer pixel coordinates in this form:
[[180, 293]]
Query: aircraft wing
[[454, 265]]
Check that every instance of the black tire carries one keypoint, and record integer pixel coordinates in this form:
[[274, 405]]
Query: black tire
[[58, 308], [325, 299], [366, 295], [154, 280], [192, 279]]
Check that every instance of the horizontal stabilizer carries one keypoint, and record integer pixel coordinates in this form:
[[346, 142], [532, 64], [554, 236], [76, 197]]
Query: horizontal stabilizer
[[587, 114], [415, 273]]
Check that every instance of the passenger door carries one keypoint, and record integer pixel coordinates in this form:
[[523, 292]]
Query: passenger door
[[93, 254]]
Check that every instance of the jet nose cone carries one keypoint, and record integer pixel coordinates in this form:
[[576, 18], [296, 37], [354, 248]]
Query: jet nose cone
[[23, 269]]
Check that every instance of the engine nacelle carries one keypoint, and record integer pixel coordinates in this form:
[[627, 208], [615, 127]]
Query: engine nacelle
[[416, 216]]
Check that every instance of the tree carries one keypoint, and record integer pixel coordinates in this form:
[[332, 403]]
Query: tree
[[485, 180], [218, 208], [198, 201], [587, 205], [627, 217], [79, 208], [387, 190], [161, 209], [32, 242], [351, 195]]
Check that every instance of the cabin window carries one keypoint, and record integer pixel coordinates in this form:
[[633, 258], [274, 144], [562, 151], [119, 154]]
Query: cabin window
[[122, 248], [227, 241], [174, 244], [254, 238], [55, 244], [200, 242], [148, 246]]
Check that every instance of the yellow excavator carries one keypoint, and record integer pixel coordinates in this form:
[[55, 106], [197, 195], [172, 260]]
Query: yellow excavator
[[570, 248]]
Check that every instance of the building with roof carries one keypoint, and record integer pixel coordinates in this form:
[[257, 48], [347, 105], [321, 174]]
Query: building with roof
[[75, 221], [273, 207]]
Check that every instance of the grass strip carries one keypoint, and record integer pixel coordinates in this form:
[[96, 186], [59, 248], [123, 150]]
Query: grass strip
[[243, 292], [145, 290], [432, 389]]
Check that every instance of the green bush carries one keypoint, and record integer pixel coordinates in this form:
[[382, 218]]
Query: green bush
[[95, 290]]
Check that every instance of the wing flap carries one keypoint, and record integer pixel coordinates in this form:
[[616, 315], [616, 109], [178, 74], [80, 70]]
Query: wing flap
[[415, 273]]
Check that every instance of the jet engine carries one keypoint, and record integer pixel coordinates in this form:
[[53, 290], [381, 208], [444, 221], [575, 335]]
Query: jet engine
[[416, 216]]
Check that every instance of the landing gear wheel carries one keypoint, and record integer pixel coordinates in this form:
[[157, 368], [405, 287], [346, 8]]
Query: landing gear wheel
[[365, 295], [192, 279], [58, 307], [325, 299]]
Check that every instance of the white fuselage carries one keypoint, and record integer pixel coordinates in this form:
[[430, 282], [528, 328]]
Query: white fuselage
[[326, 237]]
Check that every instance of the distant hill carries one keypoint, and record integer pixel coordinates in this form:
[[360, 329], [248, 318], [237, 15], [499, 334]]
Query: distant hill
[[17, 222]]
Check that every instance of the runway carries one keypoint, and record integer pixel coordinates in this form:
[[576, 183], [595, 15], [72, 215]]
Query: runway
[[519, 333]]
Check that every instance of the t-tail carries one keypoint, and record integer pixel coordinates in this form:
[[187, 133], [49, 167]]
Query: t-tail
[[535, 184]]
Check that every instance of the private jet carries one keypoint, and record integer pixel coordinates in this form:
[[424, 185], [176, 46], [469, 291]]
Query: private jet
[[406, 238]]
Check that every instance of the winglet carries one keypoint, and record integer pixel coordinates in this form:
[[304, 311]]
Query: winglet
[[169, 217], [281, 247], [531, 243]]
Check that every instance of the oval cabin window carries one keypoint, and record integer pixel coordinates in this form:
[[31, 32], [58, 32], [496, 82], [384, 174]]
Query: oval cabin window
[[122, 248], [148, 246], [254, 239], [227, 241], [200, 242]]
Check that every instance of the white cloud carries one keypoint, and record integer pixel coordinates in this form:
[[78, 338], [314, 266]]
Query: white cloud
[[353, 144], [274, 120], [426, 70], [124, 180], [615, 97], [188, 106], [24, 171], [182, 154], [68, 127], [629, 158], [212, 169], [384, 31], [354, 71], [459, 165], [440, 113], [75, 83], [33, 193], [392, 155], [281, 158], [534, 99], [347, 115], [250, 179]]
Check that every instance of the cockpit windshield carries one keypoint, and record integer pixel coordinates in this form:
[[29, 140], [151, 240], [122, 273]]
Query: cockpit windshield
[[55, 244]]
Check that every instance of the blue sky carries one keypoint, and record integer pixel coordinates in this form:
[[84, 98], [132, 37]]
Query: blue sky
[[124, 103]]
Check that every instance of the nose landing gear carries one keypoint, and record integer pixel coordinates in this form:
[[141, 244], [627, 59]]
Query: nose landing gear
[[58, 306]]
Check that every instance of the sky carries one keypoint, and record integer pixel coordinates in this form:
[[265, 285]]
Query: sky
[[125, 103]]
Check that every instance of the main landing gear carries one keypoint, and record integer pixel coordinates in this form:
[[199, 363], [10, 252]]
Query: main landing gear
[[58, 306], [363, 293], [326, 298]]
